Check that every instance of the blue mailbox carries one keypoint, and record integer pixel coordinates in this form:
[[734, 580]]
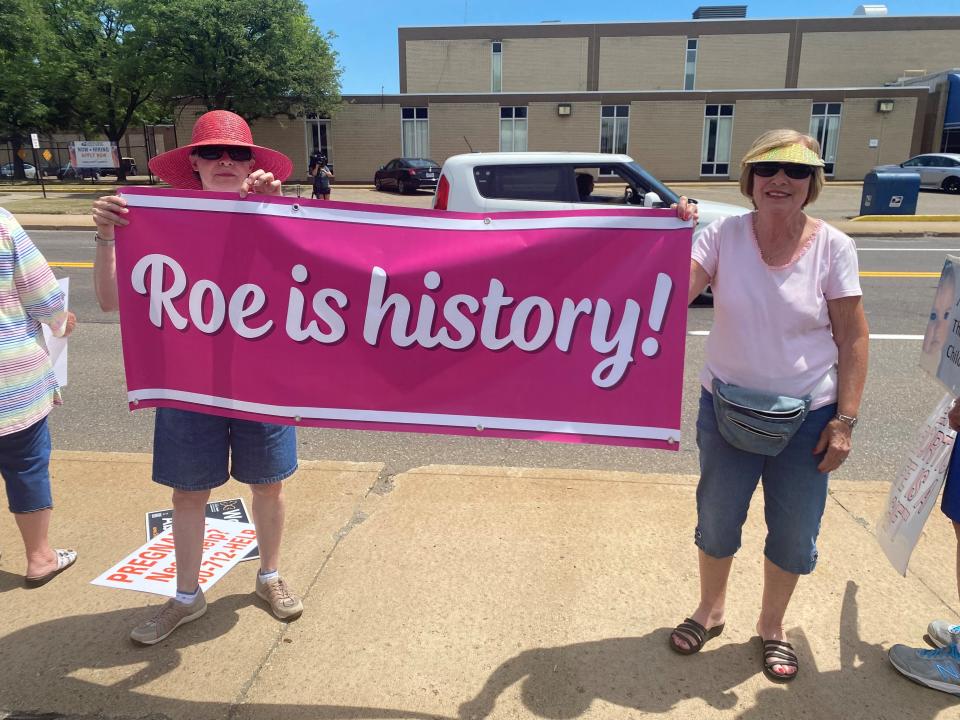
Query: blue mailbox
[[890, 193]]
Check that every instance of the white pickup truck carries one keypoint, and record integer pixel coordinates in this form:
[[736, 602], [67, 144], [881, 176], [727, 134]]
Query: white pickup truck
[[516, 181]]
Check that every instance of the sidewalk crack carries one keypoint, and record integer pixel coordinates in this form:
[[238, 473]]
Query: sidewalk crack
[[382, 486]]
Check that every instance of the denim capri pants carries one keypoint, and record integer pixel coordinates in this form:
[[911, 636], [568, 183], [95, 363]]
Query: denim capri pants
[[794, 491], [25, 466], [196, 451]]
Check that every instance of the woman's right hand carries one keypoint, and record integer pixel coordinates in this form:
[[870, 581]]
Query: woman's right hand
[[953, 417], [108, 212]]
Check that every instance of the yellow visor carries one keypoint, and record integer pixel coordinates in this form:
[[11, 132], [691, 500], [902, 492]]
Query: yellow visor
[[796, 153]]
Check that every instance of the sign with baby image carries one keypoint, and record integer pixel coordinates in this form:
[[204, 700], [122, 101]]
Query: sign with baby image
[[565, 326], [940, 356]]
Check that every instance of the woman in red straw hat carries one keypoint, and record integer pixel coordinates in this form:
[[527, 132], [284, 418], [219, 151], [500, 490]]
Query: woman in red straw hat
[[190, 449]]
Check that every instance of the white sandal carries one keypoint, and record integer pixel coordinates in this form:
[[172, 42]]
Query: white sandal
[[65, 559]]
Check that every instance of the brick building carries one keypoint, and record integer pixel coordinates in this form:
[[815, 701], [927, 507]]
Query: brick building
[[683, 98]]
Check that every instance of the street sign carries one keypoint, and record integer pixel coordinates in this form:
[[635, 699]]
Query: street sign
[[22, 154], [47, 155], [35, 139]]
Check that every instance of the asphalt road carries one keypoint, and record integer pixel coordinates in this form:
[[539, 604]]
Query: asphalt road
[[898, 394]]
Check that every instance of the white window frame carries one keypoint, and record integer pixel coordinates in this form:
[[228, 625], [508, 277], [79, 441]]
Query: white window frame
[[496, 66], [690, 66], [512, 120], [704, 145], [423, 152], [617, 121], [831, 160]]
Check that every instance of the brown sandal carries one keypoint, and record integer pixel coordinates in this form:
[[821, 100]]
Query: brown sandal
[[778, 652], [695, 635]]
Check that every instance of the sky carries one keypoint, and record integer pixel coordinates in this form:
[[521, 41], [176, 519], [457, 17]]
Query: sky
[[367, 29]]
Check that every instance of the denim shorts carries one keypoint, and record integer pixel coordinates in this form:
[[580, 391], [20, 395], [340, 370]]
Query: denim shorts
[[194, 451], [25, 466], [950, 502], [794, 491]]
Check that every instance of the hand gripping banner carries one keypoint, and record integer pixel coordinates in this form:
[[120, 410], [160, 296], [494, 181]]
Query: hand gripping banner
[[562, 326]]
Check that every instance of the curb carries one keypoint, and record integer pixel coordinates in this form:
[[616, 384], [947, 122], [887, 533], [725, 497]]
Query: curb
[[906, 218]]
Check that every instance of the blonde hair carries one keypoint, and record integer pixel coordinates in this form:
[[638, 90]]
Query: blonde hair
[[771, 140]]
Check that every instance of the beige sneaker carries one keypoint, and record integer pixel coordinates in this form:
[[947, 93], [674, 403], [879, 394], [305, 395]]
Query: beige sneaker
[[283, 603], [170, 616]]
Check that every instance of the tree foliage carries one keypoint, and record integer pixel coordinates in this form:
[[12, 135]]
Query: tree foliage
[[25, 97], [257, 59], [102, 66]]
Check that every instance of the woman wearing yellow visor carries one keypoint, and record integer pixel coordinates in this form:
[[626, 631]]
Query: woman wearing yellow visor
[[784, 370]]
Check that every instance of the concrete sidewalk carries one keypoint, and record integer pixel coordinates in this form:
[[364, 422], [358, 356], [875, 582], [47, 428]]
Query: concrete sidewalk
[[467, 592]]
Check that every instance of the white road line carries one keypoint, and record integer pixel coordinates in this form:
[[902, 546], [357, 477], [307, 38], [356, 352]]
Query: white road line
[[873, 336]]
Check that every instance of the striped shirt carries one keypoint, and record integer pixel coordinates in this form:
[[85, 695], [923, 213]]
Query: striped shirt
[[29, 295]]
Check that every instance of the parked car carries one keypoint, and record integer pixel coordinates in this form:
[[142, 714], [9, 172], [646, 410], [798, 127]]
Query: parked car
[[6, 171], [503, 182], [936, 170], [407, 174], [128, 164]]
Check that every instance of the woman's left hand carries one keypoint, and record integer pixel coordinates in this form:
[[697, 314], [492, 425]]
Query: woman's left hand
[[261, 182], [836, 439], [686, 210]]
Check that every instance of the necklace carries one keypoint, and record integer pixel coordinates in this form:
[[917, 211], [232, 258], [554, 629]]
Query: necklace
[[774, 256]]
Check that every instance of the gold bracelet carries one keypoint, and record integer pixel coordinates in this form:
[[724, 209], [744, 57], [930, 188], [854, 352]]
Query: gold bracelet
[[102, 241]]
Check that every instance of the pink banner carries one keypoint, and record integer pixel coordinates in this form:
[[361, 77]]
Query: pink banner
[[564, 326]]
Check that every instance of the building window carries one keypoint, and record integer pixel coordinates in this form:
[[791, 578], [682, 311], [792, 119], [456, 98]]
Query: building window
[[717, 130], [614, 128], [513, 129], [825, 127], [496, 66], [416, 132], [690, 65], [950, 141]]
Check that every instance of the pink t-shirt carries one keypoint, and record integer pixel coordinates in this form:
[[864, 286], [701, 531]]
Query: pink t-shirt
[[771, 329]]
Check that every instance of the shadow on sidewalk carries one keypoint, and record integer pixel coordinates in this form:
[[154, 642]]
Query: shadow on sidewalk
[[42, 668], [641, 673]]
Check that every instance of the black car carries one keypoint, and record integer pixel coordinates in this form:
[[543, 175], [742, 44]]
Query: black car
[[128, 164], [407, 174]]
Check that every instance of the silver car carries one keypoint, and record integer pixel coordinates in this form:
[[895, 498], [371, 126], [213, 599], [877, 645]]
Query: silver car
[[936, 170]]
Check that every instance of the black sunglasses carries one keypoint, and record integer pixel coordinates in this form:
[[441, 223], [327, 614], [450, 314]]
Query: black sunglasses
[[793, 170], [215, 152]]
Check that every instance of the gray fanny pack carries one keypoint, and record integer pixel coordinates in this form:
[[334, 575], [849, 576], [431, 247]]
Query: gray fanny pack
[[757, 421]]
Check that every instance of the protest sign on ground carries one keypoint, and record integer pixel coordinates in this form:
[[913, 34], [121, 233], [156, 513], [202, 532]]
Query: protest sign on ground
[[234, 510], [914, 491], [940, 356], [151, 568], [565, 326]]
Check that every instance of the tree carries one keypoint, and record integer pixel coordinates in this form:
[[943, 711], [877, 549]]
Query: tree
[[110, 65], [258, 59], [25, 100]]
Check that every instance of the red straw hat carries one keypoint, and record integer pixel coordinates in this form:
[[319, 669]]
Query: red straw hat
[[217, 127]]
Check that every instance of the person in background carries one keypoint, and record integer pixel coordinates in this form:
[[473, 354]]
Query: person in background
[[785, 285], [29, 295], [321, 174], [193, 451], [939, 668]]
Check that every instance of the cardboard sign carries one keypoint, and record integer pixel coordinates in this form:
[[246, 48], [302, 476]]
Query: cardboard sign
[[94, 154], [565, 326], [914, 491], [152, 567], [940, 356], [57, 346], [234, 510]]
